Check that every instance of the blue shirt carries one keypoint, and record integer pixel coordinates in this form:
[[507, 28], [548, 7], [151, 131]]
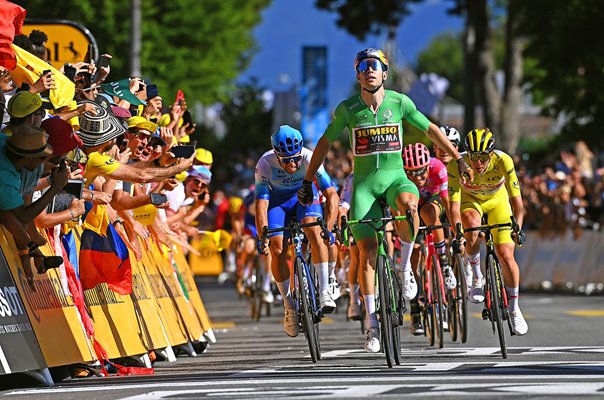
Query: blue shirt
[[10, 183], [29, 179]]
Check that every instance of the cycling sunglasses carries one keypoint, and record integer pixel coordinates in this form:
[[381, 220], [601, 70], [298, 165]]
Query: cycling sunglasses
[[482, 157], [365, 64], [287, 160], [416, 172]]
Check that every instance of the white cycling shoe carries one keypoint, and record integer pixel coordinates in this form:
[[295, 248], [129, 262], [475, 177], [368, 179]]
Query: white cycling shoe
[[409, 285], [372, 340], [449, 277], [477, 291], [519, 325], [327, 303]]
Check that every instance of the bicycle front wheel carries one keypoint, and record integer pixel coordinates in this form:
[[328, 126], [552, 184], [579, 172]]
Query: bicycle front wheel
[[384, 310], [256, 292], [397, 312], [493, 266], [460, 306], [306, 312], [437, 291]]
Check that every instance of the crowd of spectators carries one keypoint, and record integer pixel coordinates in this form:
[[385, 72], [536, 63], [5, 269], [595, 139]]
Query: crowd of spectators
[[107, 150]]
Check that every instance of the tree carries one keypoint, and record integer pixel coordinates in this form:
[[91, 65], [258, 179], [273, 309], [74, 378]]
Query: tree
[[444, 56], [363, 17], [566, 46], [197, 46]]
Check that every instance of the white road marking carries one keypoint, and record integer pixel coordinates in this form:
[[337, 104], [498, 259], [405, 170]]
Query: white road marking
[[4, 362]]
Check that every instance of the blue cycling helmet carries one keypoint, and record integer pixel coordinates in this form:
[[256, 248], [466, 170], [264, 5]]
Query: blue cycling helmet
[[287, 141]]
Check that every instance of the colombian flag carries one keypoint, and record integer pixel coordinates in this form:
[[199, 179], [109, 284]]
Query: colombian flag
[[103, 254]]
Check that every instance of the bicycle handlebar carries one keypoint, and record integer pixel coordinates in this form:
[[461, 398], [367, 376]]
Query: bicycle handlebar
[[373, 222], [295, 226], [430, 228], [483, 228]]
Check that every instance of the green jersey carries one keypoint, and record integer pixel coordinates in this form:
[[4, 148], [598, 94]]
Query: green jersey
[[376, 139]]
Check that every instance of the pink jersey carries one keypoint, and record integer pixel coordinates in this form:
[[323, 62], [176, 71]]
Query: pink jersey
[[437, 182]]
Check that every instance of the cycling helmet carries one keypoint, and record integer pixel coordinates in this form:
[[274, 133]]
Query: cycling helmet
[[480, 141], [371, 53], [452, 134], [287, 141], [416, 156]]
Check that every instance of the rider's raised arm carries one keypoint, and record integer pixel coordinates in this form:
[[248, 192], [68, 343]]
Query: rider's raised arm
[[262, 193]]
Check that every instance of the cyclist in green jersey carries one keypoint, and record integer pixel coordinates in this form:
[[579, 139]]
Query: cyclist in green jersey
[[374, 121]]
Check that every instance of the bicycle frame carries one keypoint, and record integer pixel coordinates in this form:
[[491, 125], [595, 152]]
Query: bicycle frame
[[305, 293], [388, 292]]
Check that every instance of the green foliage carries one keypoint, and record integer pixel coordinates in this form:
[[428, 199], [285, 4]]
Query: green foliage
[[444, 56], [197, 46], [363, 17], [566, 45]]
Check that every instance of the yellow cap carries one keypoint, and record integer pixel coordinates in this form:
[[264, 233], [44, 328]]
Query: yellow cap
[[185, 139], [142, 123], [204, 156], [164, 120]]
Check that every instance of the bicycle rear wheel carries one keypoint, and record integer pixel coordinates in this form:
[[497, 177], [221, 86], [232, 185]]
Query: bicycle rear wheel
[[384, 310], [256, 294], [306, 313], [493, 266], [315, 305], [438, 310], [398, 314]]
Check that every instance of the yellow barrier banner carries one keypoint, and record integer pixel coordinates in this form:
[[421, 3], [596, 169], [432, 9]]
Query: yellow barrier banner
[[173, 324], [209, 262], [184, 307], [53, 316], [191, 287]]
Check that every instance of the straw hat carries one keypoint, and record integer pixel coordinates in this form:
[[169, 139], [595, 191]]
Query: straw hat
[[29, 141]]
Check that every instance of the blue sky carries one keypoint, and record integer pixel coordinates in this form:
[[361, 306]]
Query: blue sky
[[290, 24]]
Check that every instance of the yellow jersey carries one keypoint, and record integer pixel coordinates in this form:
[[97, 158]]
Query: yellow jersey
[[500, 174]]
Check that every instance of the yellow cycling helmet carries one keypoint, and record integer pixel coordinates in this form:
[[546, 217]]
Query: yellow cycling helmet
[[479, 141], [235, 204]]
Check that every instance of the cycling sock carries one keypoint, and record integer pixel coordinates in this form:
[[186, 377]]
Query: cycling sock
[[285, 292], [468, 267], [323, 273], [331, 265], [440, 247], [512, 297], [474, 260], [266, 283], [370, 316], [406, 250]]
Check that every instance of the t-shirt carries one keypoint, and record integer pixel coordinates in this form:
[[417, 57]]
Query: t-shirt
[[500, 173], [10, 184], [29, 179], [99, 164], [376, 139]]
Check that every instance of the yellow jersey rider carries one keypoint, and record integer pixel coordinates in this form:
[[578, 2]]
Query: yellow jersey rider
[[494, 192]]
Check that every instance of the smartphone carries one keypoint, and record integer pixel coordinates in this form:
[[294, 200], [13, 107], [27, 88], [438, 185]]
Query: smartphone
[[187, 118], [103, 61], [70, 72], [185, 151], [74, 187], [158, 198], [124, 145], [88, 57], [45, 93], [180, 97]]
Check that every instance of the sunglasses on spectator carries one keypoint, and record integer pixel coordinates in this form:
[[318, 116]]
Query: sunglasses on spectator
[[287, 160], [367, 63], [137, 133], [482, 157], [199, 182], [416, 172]]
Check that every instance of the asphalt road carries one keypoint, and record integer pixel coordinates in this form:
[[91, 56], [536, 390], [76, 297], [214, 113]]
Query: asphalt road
[[562, 356]]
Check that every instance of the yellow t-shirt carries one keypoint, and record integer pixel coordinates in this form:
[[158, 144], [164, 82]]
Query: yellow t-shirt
[[499, 176], [99, 164]]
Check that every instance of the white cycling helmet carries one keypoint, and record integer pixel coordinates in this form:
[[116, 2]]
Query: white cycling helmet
[[452, 134]]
